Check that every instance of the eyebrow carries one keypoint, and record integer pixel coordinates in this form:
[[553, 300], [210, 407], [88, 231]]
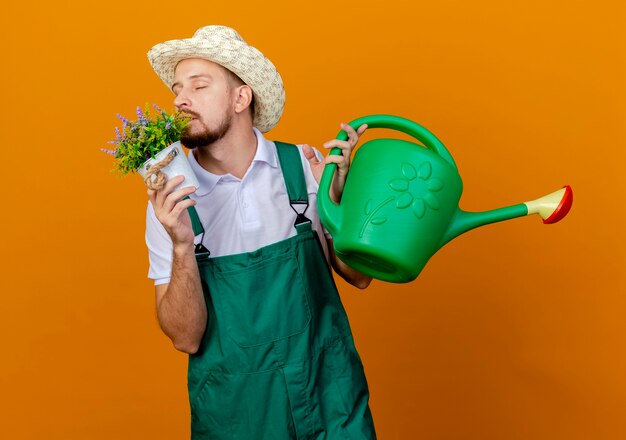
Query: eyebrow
[[199, 75]]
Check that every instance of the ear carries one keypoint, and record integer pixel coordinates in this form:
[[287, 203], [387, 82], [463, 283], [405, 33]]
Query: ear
[[243, 98]]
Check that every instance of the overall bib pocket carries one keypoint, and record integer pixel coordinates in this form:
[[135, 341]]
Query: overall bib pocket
[[264, 302]]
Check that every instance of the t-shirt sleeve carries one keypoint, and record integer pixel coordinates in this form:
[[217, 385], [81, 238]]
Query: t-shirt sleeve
[[159, 246]]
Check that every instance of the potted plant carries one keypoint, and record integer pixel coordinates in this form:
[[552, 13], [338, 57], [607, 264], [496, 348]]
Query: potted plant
[[151, 146]]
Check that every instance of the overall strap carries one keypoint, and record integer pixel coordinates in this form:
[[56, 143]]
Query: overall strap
[[196, 224], [291, 165]]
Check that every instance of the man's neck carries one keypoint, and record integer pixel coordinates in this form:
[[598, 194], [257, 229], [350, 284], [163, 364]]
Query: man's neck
[[232, 154]]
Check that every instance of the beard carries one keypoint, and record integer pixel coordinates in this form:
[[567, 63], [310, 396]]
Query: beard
[[206, 136]]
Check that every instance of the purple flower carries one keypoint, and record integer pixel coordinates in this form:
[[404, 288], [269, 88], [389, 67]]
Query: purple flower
[[111, 152], [141, 116], [157, 108], [124, 120], [168, 125]]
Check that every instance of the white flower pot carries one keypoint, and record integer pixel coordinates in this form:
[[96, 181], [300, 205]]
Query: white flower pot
[[177, 167]]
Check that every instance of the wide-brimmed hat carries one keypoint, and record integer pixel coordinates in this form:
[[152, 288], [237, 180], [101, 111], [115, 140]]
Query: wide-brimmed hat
[[224, 46]]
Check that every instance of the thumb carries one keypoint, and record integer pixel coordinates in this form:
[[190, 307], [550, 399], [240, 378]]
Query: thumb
[[310, 154]]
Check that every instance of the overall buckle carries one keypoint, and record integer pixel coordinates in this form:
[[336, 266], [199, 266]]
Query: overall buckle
[[300, 217]]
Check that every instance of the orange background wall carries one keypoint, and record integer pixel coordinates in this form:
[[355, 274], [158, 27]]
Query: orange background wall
[[513, 331]]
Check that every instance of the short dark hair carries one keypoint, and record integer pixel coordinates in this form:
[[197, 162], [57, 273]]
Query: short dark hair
[[239, 82]]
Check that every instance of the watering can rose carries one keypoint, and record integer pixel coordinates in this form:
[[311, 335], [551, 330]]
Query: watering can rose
[[151, 146]]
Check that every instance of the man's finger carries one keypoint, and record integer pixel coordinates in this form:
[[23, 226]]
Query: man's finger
[[352, 136], [175, 197], [343, 145], [310, 154], [334, 159], [181, 206], [162, 194]]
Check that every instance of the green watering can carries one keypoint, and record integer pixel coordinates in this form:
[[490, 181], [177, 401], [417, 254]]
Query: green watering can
[[400, 203]]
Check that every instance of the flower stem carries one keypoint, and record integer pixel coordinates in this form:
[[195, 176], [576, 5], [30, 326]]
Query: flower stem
[[371, 215]]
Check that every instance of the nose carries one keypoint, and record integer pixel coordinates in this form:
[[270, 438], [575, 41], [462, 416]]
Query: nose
[[181, 101]]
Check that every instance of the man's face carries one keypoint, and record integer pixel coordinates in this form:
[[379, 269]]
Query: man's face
[[203, 91]]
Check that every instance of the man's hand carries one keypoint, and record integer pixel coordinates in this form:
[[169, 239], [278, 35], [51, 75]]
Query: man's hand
[[171, 211], [342, 161]]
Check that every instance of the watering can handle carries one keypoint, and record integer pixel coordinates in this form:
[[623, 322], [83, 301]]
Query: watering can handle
[[411, 128]]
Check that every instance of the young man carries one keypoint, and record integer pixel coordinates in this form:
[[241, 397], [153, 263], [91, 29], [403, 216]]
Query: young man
[[242, 280]]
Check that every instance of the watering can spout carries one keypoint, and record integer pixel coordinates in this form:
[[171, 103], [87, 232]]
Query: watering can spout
[[551, 208]]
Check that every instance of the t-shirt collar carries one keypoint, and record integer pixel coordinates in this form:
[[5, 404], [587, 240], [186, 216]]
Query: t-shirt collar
[[264, 153]]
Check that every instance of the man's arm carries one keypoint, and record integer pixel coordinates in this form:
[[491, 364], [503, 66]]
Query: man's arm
[[349, 274], [342, 161], [181, 308]]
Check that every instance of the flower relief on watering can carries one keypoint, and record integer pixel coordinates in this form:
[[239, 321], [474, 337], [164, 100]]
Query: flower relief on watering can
[[420, 194]]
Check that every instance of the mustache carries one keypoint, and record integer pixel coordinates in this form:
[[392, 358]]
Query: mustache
[[191, 113]]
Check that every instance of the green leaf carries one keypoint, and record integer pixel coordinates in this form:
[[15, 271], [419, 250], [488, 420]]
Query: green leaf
[[408, 171], [419, 209], [425, 171], [432, 201], [399, 184], [404, 201], [435, 184]]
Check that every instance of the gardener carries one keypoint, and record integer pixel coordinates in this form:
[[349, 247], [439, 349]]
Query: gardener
[[242, 280]]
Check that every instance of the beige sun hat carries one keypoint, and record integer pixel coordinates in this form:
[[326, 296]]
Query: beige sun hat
[[224, 46]]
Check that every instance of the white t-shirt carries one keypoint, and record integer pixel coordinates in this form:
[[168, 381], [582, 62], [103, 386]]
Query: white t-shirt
[[238, 215]]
